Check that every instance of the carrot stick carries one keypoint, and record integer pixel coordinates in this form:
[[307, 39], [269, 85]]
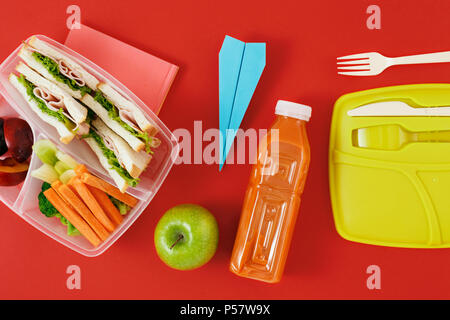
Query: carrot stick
[[98, 183], [72, 216], [55, 185], [80, 169], [102, 198], [72, 198], [106, 204], [91, 203]]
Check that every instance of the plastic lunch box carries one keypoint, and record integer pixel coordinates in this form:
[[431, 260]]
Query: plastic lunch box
[[22, 199], [396, 198]]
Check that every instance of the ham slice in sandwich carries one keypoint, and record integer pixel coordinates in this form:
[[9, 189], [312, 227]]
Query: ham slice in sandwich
[[122, 163], [57, 67], [123, 117], [52, 104]]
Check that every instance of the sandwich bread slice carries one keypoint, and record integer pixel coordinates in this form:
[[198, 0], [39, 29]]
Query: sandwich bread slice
[[122, 163], [123, 117], [62, 125], [76, 112], [128, 111], [52, 104], [58, 68]]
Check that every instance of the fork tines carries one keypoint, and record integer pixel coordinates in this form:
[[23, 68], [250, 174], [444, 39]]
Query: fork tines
[[358, 62]]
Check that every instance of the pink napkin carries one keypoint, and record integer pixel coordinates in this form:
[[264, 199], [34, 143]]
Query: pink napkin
[[145, 75]]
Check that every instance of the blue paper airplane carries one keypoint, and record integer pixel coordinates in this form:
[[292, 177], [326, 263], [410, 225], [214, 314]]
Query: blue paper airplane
[[240, 67]]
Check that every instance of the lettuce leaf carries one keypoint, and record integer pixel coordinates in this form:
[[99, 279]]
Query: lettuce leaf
[[53, 67], [42, 106], [122, 207], [113, 113]]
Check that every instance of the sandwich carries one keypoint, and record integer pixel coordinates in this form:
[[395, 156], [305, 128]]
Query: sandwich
[[63, 94], [123, 117], [58, 68], [52, 104], [122, 163]]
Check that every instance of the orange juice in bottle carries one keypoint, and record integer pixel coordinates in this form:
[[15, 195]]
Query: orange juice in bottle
[[272, 199]]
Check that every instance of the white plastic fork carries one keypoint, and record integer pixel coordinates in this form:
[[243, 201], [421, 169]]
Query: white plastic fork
[[373, 63]]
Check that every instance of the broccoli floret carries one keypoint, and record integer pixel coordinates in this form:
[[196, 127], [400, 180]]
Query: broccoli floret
[[50, 211], [44, 205]]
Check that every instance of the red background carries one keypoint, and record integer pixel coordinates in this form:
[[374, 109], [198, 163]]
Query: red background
[[303, 39]]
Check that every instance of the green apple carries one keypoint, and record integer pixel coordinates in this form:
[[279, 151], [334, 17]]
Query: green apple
[[186, 237]]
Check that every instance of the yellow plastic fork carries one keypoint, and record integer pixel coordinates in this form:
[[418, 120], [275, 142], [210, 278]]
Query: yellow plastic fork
[[394, 137]]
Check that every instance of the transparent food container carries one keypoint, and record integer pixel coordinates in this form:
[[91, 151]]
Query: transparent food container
[[22, 199]]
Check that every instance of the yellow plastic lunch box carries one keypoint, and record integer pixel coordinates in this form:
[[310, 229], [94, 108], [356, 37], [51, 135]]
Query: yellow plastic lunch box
[[390, 174]]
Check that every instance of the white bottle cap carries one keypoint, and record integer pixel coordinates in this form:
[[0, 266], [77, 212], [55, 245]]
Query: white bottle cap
[[293, 110]]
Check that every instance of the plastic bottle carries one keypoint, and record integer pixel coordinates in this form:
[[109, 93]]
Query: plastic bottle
[[272, 199]]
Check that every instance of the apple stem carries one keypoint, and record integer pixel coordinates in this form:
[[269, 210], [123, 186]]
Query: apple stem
[[180, 237]]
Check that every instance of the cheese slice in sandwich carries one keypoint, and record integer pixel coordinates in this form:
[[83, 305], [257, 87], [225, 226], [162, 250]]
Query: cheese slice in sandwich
[[58, 68], [122, 163], [124, 118]]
